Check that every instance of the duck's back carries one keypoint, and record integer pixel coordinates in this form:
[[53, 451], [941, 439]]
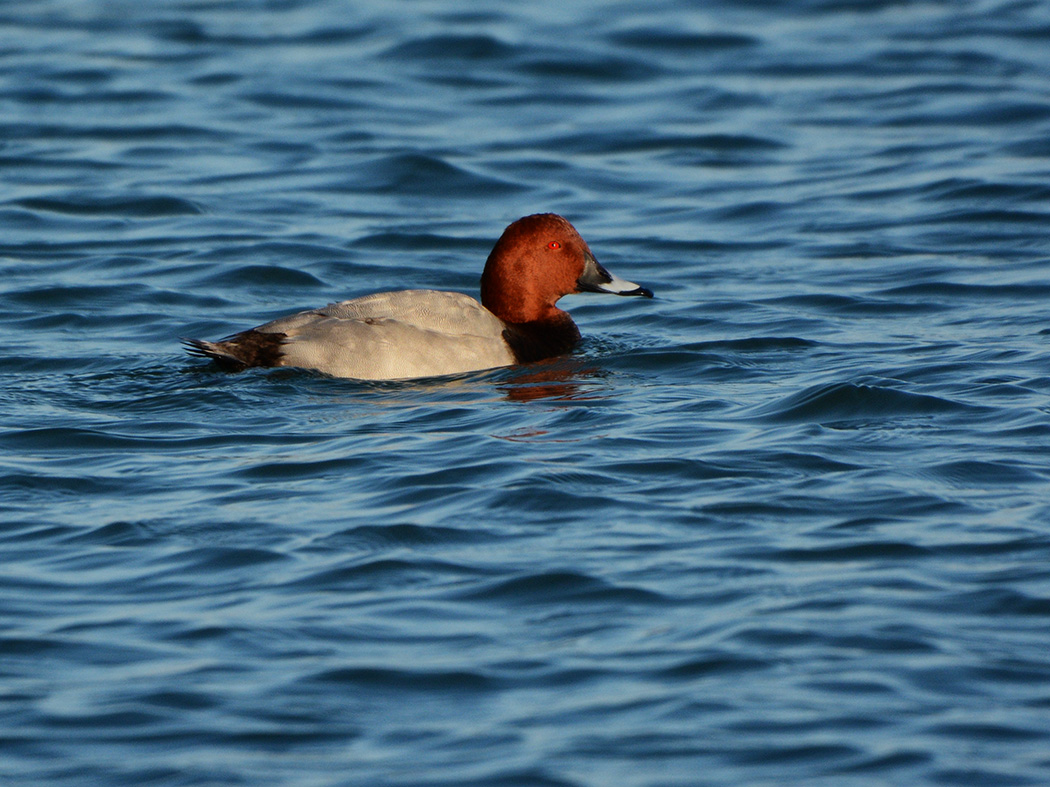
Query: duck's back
[[391, 335]]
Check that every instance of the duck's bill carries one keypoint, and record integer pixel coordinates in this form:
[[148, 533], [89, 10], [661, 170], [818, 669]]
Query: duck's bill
[[595, 278]]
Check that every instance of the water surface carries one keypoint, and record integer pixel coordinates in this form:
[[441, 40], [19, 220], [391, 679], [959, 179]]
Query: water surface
[[787, 523]]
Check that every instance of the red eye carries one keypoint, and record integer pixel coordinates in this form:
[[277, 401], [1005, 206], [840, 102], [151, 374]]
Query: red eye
[[554, 245]]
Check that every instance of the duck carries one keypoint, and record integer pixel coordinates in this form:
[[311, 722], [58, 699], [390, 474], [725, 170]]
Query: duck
[[409, 334]]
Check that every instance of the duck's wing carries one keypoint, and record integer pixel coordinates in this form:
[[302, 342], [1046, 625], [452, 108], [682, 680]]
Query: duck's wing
[[435, 310], [391, 335]]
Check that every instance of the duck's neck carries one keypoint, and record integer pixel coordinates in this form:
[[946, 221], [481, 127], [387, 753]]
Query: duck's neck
[[538, 339]]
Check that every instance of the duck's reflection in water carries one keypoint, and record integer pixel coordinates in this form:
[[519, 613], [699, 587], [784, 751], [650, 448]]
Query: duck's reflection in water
[[566, 379]]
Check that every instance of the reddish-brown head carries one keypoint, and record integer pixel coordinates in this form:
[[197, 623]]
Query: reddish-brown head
[[537, 260]]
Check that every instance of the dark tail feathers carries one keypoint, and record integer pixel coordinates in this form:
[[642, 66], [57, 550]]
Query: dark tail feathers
[[248, 348]]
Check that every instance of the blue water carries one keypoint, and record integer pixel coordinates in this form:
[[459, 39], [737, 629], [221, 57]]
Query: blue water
[[788, 523]]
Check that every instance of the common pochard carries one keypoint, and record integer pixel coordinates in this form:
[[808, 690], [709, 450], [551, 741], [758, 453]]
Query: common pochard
[[427, 333]]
